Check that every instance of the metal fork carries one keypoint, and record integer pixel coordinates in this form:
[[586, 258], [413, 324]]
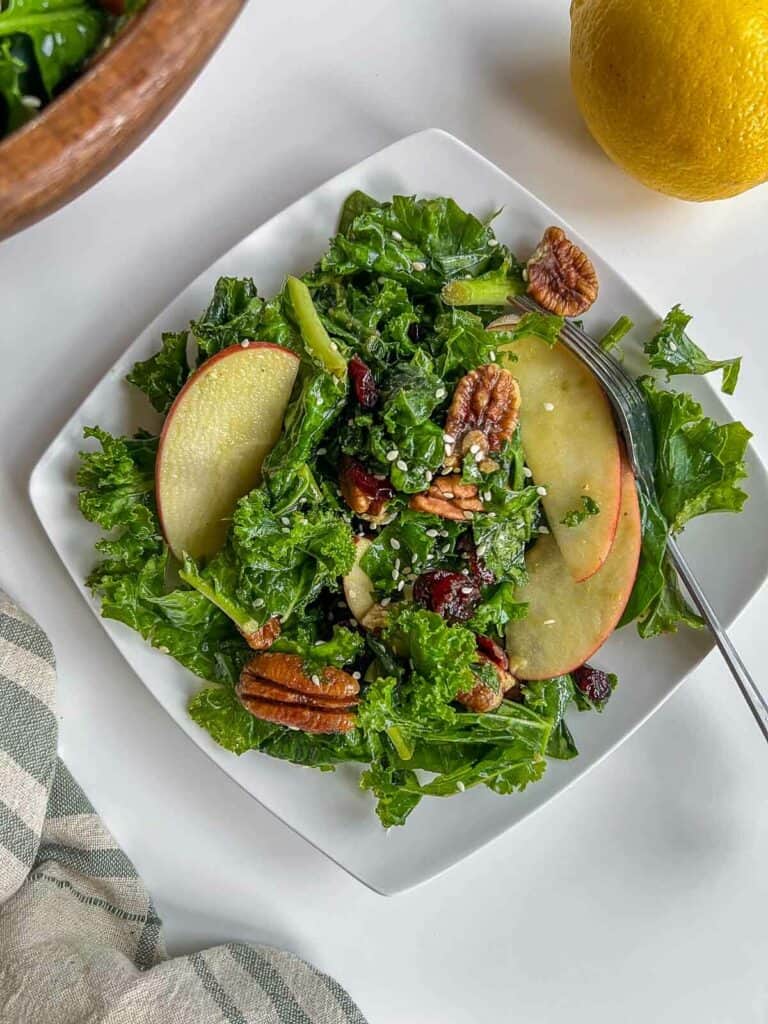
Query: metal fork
[[634, 421]]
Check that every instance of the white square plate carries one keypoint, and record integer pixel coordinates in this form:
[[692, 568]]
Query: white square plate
[[328, 809]]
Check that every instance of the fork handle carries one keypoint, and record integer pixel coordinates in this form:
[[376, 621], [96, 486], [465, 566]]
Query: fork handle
[[744, 680]]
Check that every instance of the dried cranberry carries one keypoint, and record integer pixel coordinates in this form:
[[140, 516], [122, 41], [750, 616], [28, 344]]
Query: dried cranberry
[[415, 333], [451, 594], [493, 652], [593, 683], [477, 567], [366, 391]]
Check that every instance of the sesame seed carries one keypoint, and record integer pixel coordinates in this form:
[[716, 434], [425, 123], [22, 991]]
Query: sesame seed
[[493, 242], [318, 643], [321, 451], [385, 601], [407, 569], [394, 543], [391, 456], [672, 346], [315, 680], [258, 602], [402, 465], [418, 265], [466, 590], [432, 533], [492, 356], [163, 649], [244, 344], [475, 448], [401, 584], [441, 393], [549, 407], [542, 491], [487, 495], [395, 575], [460, 786], [447, 494], [469, 515], [397, 236], [334, 346], [543, 529], [527, 473], [31, 102], [449, 439], [525, 273], [479, 457], [355, 675], [448, 451], [491, 515], [285, 520], [548, 622]]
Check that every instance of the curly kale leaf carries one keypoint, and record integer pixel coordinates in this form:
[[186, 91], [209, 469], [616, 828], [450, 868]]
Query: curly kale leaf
[[162, 376], [273, 565], [672, 350], [419, 242]]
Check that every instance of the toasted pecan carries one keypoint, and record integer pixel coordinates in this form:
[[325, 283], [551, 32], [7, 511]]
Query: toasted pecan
[[251, 685], [448, 498], [308, 719], [288, 670], [482, 416], [482, 697], [561, 277], [262, 638]]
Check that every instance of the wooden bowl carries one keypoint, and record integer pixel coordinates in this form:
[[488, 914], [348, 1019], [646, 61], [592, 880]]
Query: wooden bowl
[[110, 109]]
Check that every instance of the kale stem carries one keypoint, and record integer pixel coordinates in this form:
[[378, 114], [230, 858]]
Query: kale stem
[[612, 337], [492, 289], [314, 335]]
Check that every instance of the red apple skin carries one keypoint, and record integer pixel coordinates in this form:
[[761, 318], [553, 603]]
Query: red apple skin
[[225, 353], [629, 536]]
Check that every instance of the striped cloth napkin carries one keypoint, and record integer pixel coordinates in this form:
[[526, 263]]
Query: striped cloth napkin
[[80, 940]]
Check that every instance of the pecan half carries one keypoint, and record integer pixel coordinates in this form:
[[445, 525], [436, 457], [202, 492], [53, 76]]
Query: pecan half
[[482, 697], [367, 495], [307, 719], [561, 277], [375, 619], [448, 498], [482, 416], [251, 685], [262, 638], [288, 670], [275, 688]]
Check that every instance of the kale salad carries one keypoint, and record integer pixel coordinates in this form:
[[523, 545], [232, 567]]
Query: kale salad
[[45, 44], [369, 531]]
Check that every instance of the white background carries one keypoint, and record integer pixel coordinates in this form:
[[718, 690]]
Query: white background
[[639, 895]]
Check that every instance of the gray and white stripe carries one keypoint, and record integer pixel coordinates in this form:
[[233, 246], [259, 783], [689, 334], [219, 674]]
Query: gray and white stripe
[[80, 938]]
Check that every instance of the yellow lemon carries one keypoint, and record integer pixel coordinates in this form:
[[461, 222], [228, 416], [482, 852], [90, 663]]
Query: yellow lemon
[[676, 91]]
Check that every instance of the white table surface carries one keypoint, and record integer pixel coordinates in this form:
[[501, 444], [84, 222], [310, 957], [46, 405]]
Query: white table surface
[[640, 895]]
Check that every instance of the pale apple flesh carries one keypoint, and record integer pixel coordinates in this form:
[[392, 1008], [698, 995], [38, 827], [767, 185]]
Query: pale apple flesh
[[568, 621], [571, 446], [358, 588], [221, 426]]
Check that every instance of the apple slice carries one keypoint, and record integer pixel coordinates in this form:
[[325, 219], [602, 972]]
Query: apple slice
[[570, 444], [217, 433], [358, 589], [567, 621]]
